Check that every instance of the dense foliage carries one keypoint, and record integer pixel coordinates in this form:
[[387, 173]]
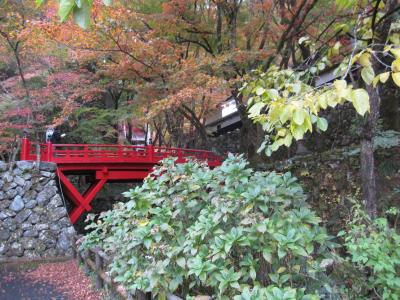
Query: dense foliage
[[373, 246], [230, 232]]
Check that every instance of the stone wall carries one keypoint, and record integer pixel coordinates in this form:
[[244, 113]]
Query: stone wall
[[33, 219]]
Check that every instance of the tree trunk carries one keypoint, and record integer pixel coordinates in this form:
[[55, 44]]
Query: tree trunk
[[368, 178], [219, 28], [232, 30]]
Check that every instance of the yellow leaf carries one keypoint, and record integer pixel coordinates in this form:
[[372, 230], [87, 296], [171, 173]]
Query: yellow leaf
[[396, 65], [143, 222], [364, 59], [395, 52], [281, 270], [340, 84], [360, 99], [322, 102], [376, 80], [282, 132], [368, 74], [383, 77], [396, 78]]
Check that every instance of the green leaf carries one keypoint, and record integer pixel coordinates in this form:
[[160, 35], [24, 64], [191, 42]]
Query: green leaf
[[39, 2], [322, 124], [297, 132], [360, 99], [82, 14], [267, 255], [181, 262], [298, 116], [260, 90], [107, 2], [65, 9], [255, 109]]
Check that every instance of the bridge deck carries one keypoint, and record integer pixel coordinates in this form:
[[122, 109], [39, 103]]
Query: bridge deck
[[107, 163]]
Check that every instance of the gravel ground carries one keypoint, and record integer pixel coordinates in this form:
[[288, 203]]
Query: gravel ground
[[46, 281]]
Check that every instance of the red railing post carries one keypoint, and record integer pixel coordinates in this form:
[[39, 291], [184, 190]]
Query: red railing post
[[49, 146], [119, 154], [25, 148], [150, 152]]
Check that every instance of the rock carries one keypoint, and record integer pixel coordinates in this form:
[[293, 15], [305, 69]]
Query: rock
[[10, 224], [26, 226], [27, 186], [29, 243], [46, 166], [56, 201], [16, 234], [64, 242], [4, 204], [31, 254], [24, 165], [46, 174], [34, 218], [17, 204], [3, 248], [41, 227], [1, 184], [31, 204], [9, 186], [50, 253], [48, 238], [3, 215], [17, 171], [39, 210], [12, 193], [44, 196], [4, 234], [31, 233], [27, 176], [3, 166], [23, 215], [16, 249], [2, 195], [9, 213], [20, 190], [64, 222], [31, 194], [57, 213], [7, 177], [55, 227], [19, 180]]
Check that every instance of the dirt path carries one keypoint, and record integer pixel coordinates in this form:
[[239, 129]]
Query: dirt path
[[47, 281]]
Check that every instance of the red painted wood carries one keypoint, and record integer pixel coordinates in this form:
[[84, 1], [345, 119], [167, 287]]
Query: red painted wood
[[72, 192], [123, 175], [106, 163]]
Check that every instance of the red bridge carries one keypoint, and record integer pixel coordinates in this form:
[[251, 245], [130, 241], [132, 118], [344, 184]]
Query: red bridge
[[105, 163]]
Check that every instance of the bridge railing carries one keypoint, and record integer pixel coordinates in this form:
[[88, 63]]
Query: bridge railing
[[97, 153]]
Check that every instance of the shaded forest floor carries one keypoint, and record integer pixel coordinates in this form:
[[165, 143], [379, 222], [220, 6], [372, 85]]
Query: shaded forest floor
[[45, 281]]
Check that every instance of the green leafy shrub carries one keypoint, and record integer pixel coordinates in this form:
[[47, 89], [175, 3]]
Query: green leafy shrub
[[374, 249], [228, 232]]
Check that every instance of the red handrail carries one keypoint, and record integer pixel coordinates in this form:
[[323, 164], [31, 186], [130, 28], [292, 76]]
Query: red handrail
[[97, 153]]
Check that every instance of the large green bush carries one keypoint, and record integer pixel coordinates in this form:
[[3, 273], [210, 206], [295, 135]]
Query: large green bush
[[228, 232]]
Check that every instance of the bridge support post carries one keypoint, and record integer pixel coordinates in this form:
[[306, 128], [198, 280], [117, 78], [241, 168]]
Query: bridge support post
[[25, 147], [82, 202]]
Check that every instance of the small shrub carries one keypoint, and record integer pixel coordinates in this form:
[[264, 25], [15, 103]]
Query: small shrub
[[229, 232], [374, 249]]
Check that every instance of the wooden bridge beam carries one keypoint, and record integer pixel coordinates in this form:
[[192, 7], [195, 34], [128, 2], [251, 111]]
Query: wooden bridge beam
[[82, 202]]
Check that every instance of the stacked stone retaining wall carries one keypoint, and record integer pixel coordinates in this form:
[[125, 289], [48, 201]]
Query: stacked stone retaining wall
[[33, 219]]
